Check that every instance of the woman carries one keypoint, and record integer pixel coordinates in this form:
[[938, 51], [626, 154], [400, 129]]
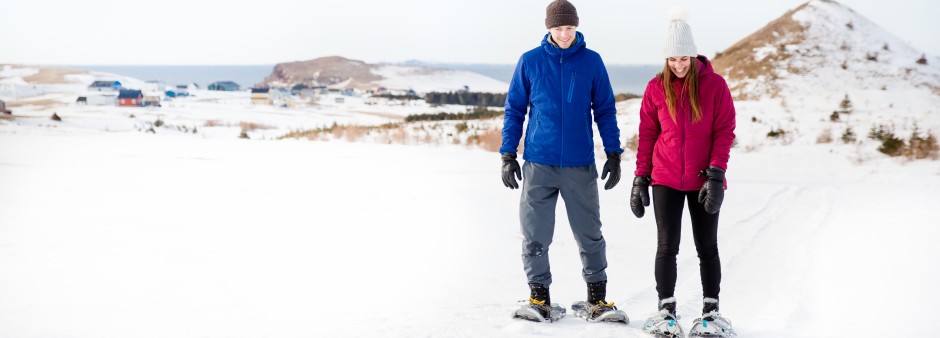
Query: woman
[[686, 130]]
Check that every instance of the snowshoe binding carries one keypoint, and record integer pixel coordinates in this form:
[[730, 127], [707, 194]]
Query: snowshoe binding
[[712, 324], [539, 307], [665, 324], [596, 309]]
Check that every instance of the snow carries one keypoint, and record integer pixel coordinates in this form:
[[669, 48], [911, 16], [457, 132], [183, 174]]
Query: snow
[[128, 234], [423, 79], [107, 230]]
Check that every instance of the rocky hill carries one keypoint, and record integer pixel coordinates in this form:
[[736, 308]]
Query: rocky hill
[[343, 73]]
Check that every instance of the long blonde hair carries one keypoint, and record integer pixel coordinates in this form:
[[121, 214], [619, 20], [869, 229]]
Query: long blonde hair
[[690, 86]]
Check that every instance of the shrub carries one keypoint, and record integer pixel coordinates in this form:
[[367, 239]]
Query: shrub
[[632, 143], [775, 133], [879, 133], [462, 127], [834, 117], [919, 147], [477, 113], [845, 107], [848, 136], [490, 140], [253, 126], [825, 136], [891, 145]]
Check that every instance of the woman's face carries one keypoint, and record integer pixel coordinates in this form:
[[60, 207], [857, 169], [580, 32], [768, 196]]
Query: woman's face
[[679, 65]]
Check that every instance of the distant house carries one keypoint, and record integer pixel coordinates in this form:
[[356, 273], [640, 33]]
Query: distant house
[[277, 96], [105, 86], [182, 90], [130, 98], [3, 108], [227, 86], [81, 101], [281, 97], [298, 88], [103, 99], [153, 91], [261, 96]]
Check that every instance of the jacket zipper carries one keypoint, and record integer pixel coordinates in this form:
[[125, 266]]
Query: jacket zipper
[[571, 86], [682, 137], [561, 78]]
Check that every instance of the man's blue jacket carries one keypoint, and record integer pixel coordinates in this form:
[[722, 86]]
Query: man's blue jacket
[[558, 88]]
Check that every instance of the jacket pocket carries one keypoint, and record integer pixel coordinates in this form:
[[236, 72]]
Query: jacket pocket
[[588, 132], [571, 87], [535, 130]]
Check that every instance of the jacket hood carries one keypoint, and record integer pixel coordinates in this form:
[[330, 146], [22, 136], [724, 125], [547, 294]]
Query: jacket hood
[[556, 51], [704, 66]]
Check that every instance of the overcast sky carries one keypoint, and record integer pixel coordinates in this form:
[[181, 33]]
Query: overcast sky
[[142, 32]]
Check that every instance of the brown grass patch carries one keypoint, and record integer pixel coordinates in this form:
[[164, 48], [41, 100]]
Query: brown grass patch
[[246, 126], [250, 126], [632, 143], [45, 103], [490, 140], [47, 75]]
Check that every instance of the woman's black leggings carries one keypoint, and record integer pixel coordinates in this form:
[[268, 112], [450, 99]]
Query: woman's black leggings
[[667, 204]]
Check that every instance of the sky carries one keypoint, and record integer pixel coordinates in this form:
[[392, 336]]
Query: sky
[[215, 32]]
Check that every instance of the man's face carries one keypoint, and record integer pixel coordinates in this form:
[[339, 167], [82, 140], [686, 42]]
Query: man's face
[[563, 35]]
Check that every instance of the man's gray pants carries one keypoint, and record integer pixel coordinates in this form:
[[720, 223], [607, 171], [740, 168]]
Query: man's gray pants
[[541, 186]]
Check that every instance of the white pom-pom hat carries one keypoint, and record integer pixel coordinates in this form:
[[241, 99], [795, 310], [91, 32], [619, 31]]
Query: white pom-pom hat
[[679, 41]]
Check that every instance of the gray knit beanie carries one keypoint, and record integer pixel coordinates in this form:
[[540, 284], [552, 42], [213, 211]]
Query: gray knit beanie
[[679, 41], [560, 13]]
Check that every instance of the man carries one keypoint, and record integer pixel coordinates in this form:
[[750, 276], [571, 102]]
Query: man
[[558, 84]]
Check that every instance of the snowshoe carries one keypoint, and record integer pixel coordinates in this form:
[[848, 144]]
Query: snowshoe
[[712, 324], [596, 309], [605, 312], [539, 307], [539, 312], [665, 323], [713, 327]]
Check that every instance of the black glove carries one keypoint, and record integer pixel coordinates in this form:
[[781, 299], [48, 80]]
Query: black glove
[[713, 191], [640, 195], [613, 167], [510, 168]]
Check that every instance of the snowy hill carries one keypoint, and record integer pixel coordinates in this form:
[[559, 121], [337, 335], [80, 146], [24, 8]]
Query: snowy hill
[[790, 77], [821, 47], [339, 72]]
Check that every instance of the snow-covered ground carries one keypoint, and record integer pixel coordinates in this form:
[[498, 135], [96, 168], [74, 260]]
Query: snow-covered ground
[[129, 234]]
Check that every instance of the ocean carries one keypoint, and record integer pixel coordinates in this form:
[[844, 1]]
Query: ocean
[[623, 78]]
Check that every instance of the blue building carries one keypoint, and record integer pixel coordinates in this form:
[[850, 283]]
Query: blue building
[[227, 86], [105, 86]]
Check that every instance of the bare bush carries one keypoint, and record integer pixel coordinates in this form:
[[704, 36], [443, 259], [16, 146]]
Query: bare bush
[[825, 136], [632, 143]]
